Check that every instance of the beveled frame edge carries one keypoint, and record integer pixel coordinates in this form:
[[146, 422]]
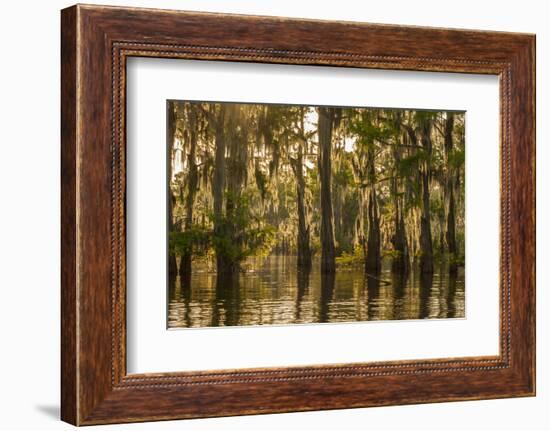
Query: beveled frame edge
[[96, 41]]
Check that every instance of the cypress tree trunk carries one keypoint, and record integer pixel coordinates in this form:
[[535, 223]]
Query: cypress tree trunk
[[223, 265], [400, 262], [360, 223], [172, 264], [236, 166], [426, 257], [185, 265], [372, 262], [328, 254], [450, 235], [426, 248], [304, 251]]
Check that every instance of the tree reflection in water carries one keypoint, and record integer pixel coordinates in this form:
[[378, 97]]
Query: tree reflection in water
[[328, 281], [302, 284], [273, 292]]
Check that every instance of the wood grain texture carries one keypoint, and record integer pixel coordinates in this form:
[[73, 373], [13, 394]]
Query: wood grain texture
[[96, 41], [69, 367]]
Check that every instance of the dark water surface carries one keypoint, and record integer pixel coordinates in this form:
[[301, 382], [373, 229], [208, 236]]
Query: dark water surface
[[271, 291]]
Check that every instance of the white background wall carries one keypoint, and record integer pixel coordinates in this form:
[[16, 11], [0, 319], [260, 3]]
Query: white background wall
[[29, 214]]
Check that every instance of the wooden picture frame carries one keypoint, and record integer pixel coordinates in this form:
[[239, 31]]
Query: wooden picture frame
[[95, 43]]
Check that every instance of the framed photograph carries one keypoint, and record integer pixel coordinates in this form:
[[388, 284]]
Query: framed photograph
[[266, 215]]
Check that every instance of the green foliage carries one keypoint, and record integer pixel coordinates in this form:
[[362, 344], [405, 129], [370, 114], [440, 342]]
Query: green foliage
[[382, 151], [408, 166], [460, 258], [421, 117], [238, 233], [182, 242], [344, 175], [353, 259], [457, 259], [437, 208], [457, 158], [367, 129], [390, 253], [315, 246]]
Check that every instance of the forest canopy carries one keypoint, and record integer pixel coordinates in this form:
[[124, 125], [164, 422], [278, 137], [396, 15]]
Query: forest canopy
[[336, 187]]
